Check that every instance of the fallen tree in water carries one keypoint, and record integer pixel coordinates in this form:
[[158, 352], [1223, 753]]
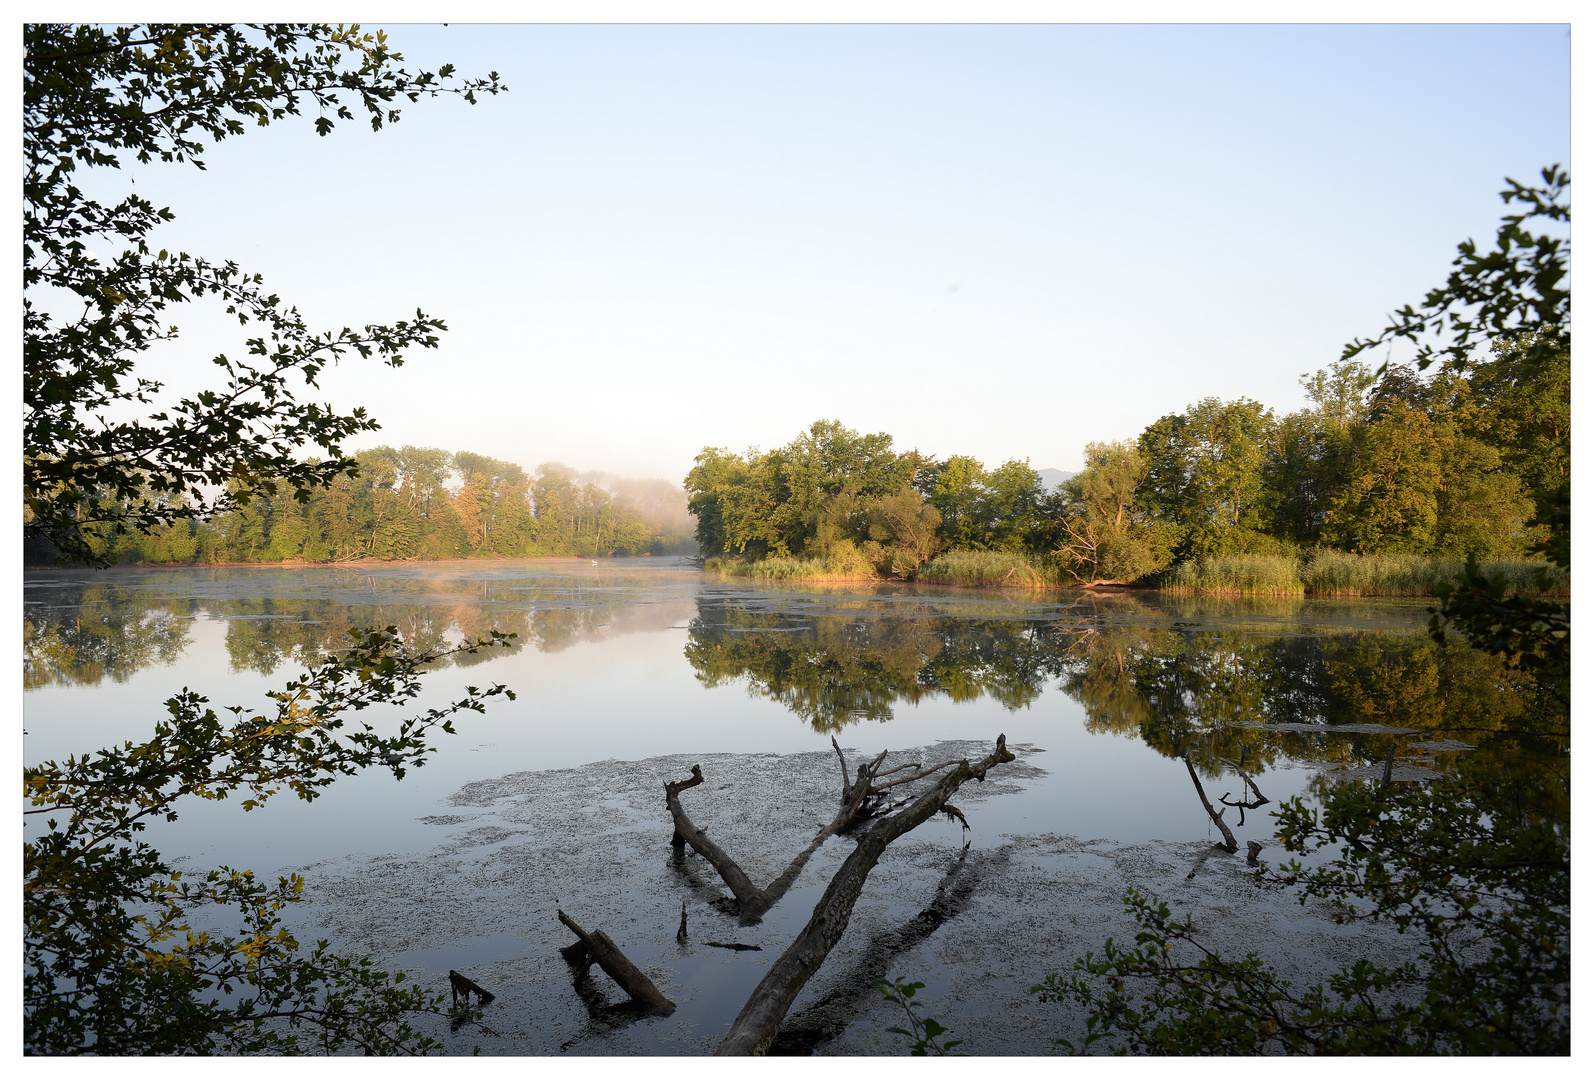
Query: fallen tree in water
[[865, 810], [757, 1024]]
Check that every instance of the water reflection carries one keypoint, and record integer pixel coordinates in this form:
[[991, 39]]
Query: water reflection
[[837, 670], [1191, 681], [83, 632], [1235, 685], [99, 632]]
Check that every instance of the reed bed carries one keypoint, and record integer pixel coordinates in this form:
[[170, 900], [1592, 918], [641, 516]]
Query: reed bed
[[986, 568], [1342, 574], [788, 569], [1236, 575]]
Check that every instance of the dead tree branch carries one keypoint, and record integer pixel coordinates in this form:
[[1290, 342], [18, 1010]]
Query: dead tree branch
[[600, 948], [1258, 799], [750, 899], [756, 1025], [846, 780], [1229, 843], [464, 987]]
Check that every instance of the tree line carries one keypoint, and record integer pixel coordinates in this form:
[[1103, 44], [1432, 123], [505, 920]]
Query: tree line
[[418, 503], [1460, 462]]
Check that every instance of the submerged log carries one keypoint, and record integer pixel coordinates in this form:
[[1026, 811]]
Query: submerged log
[[601, 949], [463, 987], [759, 1021]]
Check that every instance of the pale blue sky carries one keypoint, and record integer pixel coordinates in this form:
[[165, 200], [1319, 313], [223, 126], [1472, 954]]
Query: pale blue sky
[[999, 241]]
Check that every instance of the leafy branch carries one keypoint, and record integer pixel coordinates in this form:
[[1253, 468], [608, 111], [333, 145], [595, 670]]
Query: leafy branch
[[1516, 290], [925, 1031], [113, 960]]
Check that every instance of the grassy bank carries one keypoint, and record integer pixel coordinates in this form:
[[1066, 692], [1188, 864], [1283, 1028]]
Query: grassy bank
[[949, 568], [1341, 574], [1236, 575], [987, 568], [788, 569]]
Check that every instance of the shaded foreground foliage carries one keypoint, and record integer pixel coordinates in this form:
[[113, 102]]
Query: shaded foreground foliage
[[119, 953], [1474, 867]]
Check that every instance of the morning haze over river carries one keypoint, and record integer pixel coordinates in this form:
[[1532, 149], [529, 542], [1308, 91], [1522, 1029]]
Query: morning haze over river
[[630, 671]]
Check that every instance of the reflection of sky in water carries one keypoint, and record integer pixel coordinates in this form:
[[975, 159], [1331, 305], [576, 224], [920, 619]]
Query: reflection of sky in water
[[602, 674]]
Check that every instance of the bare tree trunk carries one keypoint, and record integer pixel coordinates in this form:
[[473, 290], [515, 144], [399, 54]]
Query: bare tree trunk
[[1229, 843], [759, 1021]]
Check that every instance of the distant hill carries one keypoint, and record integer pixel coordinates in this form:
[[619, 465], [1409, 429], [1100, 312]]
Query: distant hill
[[1052, 479]]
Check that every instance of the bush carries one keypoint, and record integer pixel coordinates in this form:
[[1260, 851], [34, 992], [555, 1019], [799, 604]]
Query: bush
[[1477, 872], [1326, 572], [845, 563]]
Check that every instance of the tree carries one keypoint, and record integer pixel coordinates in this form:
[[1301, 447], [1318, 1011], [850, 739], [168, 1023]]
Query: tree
[[1390, 501], [1513, 293], [167, 92], [1204, 474], [954, 487], [1106, 535], [1479, 867], [113, 961], [800, 498]]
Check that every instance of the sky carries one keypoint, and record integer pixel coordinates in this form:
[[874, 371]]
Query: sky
[[1003, 241]]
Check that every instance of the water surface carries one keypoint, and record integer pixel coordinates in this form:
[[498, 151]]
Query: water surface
[[630, 671]]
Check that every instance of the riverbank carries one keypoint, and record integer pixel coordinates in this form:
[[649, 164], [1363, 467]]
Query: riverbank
[[1344, 575], [1327, 574]]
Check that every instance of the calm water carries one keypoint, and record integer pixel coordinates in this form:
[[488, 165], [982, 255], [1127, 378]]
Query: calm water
[[628, 671]]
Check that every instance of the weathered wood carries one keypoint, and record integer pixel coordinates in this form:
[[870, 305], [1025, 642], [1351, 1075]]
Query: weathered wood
[[736, 945], [759, 1021], [602, 949], [464, 987], [1229, 843], [749, 897], [1253, 851], [680, 935], [846, 780]]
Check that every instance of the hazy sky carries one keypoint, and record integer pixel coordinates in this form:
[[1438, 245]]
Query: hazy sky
[[998, 241]]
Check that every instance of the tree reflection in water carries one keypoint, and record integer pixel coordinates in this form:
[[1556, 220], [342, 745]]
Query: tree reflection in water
[[80, 634], [1233, 685], [1234, 699]]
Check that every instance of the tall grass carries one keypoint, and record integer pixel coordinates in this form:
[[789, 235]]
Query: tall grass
[[987, 568], [1244, 575], [788, 569], [1335, 573], [1339, 573]]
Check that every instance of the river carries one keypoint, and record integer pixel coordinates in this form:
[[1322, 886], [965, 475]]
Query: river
[[628, 672]]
